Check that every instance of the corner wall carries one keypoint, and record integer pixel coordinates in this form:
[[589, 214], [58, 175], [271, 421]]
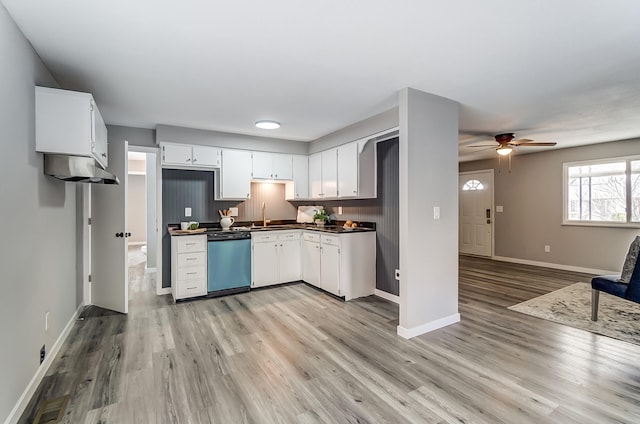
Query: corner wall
[[532, 198], [38, 249]]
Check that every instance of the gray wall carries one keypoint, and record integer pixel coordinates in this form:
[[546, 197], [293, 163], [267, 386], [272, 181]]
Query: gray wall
[[38, 250], [195, 189], [380, 122], [136, 209], [151, 184], [383, 211], [532, 198], [142, 137], [170, 134]]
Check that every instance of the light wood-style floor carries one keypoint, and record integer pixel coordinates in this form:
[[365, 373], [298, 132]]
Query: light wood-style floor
[[292, 354]]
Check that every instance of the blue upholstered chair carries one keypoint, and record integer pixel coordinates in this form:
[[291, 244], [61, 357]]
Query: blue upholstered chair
[[612, 285]]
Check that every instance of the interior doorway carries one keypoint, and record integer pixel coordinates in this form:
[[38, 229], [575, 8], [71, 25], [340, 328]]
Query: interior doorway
[[141, 220], [476, 213]]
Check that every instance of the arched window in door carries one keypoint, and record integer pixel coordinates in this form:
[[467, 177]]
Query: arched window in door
[[472, 185]]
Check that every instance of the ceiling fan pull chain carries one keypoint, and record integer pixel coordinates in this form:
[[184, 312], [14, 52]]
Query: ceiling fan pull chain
[[510, 164]]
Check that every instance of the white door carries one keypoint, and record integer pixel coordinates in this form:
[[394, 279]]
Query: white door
[[262, 165], [265, 264], [348, 170], [476, 212], [109, 264], [289, 260], [236, 174], [315, 175], [311, 262], [206, 156], [175, 154], [300, 177], [282, 167], [330, 269], [330, 173]]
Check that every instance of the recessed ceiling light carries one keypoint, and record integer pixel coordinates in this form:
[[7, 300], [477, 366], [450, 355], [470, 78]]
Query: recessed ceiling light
[[268, 125]]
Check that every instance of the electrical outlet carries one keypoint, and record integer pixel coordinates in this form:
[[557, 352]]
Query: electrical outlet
[[46, 321], [436, 212], [339, 210], [499, 208], [43, 353], [233, 211], [547, 248], [187, 211]]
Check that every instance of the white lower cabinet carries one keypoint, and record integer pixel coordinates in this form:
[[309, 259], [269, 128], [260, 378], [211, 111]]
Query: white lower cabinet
[[188, 266], [275, 258], [343, 264]]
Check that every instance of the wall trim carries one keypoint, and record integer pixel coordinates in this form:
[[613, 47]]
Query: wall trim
[[29, 391], [555, 266], [408, 333], [163, 290], [136, 243], [150, 270], [388, 296]]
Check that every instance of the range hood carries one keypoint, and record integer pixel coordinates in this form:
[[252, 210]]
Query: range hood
[[77, 169]]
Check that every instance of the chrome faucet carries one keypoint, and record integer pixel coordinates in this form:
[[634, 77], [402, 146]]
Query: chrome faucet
[[264, 214]]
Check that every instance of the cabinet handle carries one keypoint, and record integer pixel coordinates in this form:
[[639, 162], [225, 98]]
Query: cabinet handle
[[191, 273], [271, 175], [194, 159], [188, 160], [104, 155], [355, 191], [192, 288], [191, 259], [247, 195], [276, 175]]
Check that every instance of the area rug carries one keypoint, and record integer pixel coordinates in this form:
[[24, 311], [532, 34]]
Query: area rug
[[617, 318]]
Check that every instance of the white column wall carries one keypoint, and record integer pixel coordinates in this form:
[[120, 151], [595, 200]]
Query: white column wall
[[428, 179]]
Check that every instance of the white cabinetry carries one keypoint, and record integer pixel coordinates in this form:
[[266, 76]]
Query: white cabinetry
[[272, 166], [69, 123], [299, 187], [323, 174], [348, 170], [310, 256], [276, 257], [186, 156], [344, 264], [235, 175], [188, 266]]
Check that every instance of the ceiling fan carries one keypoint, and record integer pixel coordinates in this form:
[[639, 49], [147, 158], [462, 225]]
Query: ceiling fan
[[507, 143]]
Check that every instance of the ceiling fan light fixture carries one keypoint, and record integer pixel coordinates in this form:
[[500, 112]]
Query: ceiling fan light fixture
[[268, 124], [504, 150]]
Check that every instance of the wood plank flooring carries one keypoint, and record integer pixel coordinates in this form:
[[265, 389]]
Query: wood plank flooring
[[292, 354]]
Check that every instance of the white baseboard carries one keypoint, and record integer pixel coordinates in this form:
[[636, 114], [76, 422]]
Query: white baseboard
[[163, 290], [149, 270], [26, 396], [555, 266], [408, 333], [388, 296]]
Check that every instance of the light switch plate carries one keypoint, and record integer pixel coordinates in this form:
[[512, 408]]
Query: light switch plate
[[187, 211], [339, 210], [233, 211], [499, 209], [436, 212]]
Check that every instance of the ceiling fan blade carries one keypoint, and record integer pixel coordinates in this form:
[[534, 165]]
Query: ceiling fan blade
[[483, 145], [544, 143], [524, 141]]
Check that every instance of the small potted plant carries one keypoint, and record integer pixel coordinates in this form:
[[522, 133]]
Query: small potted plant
[[321, 217]]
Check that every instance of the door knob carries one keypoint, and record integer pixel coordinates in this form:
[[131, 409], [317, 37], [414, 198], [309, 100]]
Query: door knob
[[119, 234]]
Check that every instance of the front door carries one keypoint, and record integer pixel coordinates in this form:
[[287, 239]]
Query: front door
[[476, 212], [109, 263]]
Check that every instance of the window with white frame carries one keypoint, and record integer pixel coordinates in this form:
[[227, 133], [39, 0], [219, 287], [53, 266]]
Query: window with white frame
[[603, 191]]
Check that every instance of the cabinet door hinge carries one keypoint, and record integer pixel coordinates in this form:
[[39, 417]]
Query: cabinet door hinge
[[89, 277], [88, 221]]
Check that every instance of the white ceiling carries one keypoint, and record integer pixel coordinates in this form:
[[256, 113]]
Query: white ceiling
[[563, 70]]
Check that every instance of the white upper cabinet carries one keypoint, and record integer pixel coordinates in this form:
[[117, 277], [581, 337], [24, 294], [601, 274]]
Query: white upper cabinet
[[235, 175], [69, 122], [187, 156], [330, 173], [348, 170], [206, 156], [315, 175], [299, 187], [272, 166]]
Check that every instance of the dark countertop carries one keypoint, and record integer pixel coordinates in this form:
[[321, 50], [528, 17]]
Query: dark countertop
[[334, 229]]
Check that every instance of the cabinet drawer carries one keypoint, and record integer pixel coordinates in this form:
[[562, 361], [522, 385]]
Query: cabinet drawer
[[191, 259], [191, 273], [289, 236], [192, 288], [330, 240], [263, 238], [187, 244], [314, 237]]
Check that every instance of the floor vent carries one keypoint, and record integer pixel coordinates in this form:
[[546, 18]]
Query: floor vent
[[51, 411]]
